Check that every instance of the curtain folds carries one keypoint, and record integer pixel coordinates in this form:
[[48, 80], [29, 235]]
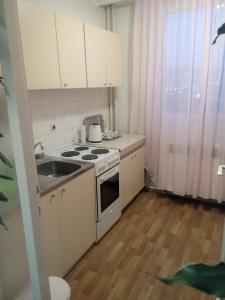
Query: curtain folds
[[178, 97]]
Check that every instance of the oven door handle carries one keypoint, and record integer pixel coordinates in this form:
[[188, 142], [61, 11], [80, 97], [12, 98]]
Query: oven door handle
[[109, 175]]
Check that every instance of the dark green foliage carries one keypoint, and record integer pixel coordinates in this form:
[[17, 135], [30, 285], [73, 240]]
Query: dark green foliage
[[206, 278], [5, 160], [3, 224], [5, 177], [3, 198], [220, 31]]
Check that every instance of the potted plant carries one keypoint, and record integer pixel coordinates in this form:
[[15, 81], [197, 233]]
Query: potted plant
[[3, 197], [208, 278]]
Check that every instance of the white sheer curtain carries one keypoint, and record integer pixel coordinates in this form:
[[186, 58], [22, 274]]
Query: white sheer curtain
[[179, 93]]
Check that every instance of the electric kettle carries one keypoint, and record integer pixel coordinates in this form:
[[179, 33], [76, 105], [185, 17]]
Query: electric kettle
[[95, 134]]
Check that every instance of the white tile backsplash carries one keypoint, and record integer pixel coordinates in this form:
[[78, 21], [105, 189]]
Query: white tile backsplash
[[65, 109]]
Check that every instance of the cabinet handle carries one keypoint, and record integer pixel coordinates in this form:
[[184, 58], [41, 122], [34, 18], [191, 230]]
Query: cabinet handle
[[65, 84], [63, 191], [51, 198], [133, 157], [105, 84]]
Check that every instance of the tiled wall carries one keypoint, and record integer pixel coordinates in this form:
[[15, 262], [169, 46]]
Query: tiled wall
[[65, 109]]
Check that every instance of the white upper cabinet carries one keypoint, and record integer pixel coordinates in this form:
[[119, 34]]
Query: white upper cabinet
[[39, 43], [95, 56], [60, 52], [104, 57], [114, 61], [70, 36]]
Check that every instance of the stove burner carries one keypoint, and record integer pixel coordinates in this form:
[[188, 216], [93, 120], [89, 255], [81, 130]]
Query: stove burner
[[70, 153], [81, 148], [89, 157], [100, 151]]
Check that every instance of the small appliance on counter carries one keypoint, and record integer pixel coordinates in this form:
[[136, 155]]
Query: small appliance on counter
[[95, 133], [111, 135], [95, 119]]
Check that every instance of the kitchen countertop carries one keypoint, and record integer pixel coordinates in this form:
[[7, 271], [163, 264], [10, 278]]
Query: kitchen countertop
[[48, 183], [126, 143]]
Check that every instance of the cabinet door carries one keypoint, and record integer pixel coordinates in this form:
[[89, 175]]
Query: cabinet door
[[77, 211], [39, 47], [114, 60], [95, 56], [131, 176], [51, 233], [70, 36]]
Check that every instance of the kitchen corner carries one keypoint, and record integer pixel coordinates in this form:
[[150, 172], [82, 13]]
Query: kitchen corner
[[87, 209], [112, 173], [81, 187]]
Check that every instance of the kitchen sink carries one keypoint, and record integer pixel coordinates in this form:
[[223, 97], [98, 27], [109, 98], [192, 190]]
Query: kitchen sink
[[57, 168]]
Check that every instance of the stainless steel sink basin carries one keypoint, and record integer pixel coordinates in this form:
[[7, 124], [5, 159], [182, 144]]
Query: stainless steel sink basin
[[54, 171], [57, 168]]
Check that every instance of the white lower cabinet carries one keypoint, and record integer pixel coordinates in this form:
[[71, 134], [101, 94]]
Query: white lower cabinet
[[51, 232], [68, 217], [131, 176], [77, 218]]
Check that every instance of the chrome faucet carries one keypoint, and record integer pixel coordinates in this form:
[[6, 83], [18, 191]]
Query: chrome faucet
[[37, 144], [41, 155]]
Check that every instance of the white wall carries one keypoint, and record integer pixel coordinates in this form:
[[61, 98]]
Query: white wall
[[67, 108], [124, 26]]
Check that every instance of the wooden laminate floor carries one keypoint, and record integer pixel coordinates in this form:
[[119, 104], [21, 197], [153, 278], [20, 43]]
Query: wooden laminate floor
[[155, 234]]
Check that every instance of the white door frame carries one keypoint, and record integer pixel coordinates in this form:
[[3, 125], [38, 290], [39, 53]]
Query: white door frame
[[11, 56]]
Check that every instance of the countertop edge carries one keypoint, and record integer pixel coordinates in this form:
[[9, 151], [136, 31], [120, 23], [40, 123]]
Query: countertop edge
[[128, 150], [125, 144]]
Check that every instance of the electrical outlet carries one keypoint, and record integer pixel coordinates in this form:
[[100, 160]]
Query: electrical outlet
[[52, 127]]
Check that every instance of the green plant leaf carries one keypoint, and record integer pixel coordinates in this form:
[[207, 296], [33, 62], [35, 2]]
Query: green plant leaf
[[2, 223], [206, 278], [5, 177], [3, 198], [5, 160]]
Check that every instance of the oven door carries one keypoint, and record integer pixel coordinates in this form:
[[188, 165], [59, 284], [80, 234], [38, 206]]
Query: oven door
[[108, 192]]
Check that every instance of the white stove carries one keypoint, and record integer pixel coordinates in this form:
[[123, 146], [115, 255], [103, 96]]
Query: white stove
[[104, 159], [107, 182]]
